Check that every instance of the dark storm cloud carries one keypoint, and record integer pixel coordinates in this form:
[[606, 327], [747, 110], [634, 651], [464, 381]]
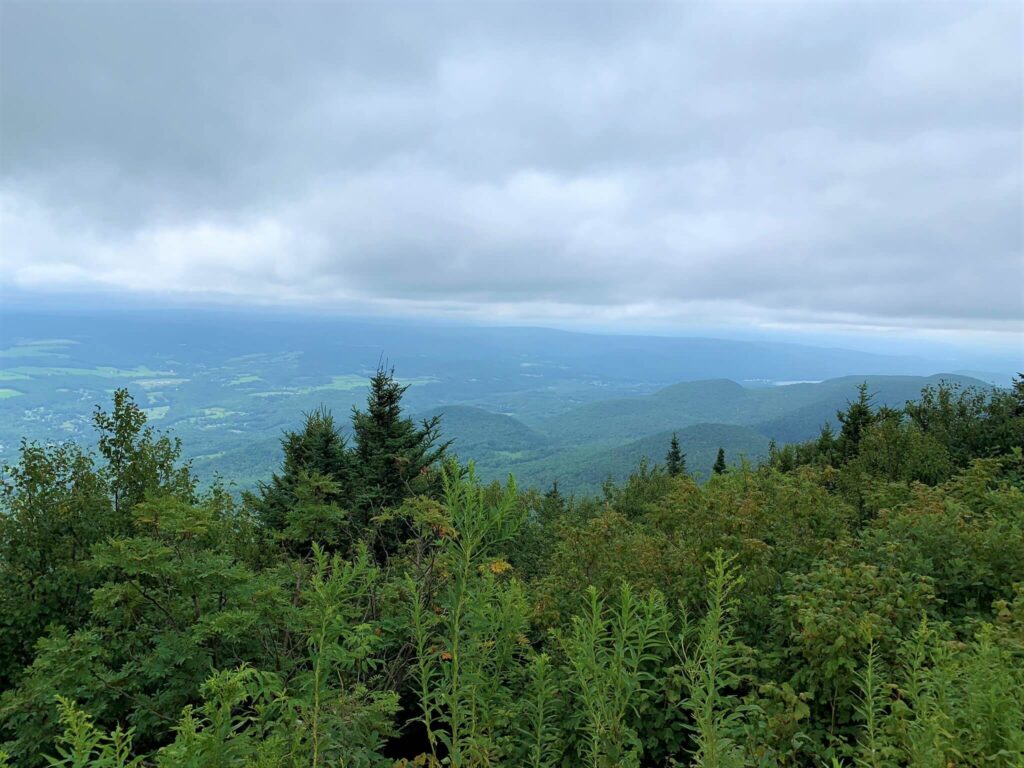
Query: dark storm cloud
[[798, 163]]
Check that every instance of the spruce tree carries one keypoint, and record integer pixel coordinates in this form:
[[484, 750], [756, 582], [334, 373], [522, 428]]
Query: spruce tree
[[393, 457], [856, 420], [554, 502], [675, 459], [719, 467], [315, 455]]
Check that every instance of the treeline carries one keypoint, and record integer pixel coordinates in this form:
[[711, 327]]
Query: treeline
[[857, 600]]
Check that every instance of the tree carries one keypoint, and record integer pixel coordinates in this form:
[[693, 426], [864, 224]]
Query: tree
[[53, 507], [139, 462], [316, 463], [719, 467], [554, 502], [826, 444], [56, 504], [393, 458], [675, 459], [856, 420]]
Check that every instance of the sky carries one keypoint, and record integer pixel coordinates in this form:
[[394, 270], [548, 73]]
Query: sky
[[817, 167]]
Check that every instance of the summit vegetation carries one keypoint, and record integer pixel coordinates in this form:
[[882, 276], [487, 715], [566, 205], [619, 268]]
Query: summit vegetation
[[856, 599]]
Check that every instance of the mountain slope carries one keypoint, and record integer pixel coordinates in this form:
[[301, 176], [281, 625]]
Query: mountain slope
[[585, 445], [770, 409], [478, 434], [586, 467]]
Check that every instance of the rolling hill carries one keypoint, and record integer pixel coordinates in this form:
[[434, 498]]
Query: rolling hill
[[542, 403], [791, 412], [585, 445], [585, 468]]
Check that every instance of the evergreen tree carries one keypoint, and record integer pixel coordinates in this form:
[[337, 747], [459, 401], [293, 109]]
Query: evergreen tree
[[394, 458], [856, 420], [314, 455], [719, 467], [826, 444], [675, 459], [1017, 395], [554, 502]]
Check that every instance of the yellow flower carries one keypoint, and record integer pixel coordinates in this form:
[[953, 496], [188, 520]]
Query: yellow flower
[[499, 567]]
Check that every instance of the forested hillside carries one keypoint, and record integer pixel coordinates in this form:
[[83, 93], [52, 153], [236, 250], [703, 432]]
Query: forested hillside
[[546, 405], [855, 600], [583, 447]]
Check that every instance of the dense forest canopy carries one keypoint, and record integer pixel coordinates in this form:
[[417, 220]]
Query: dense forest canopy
[[857, 599]]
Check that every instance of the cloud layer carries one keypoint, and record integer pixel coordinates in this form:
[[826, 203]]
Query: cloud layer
[[765, 163]]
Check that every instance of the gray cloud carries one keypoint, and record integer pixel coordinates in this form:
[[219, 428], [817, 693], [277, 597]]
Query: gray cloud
[[774, 163]]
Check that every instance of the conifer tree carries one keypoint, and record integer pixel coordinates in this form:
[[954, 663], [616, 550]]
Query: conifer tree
[[826, 444], [554, 502], [315, 453], [675, 459], [855, 420], [719, 467], [393, 457]]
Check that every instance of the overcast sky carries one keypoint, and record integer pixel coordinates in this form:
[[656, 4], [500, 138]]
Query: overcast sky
[[768, 164]]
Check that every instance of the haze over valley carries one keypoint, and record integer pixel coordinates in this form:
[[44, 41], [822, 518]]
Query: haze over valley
[[546, 405]]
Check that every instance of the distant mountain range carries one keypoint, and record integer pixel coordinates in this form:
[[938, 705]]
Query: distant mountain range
[[583, 446], [545, 404]]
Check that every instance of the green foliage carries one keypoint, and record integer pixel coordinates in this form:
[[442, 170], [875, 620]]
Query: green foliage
[[711, 665], [82, 745], [873, 750], [855, 420], [864, 603], [393, 456], [234, 725], [675, 459], [336, 496], [609, 653], [315, 463], [138, 460], [55, 507], [322, 707], [720, 466], [836, 616], [542, 713], [530, 552], [470, 645], [56, 503]]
